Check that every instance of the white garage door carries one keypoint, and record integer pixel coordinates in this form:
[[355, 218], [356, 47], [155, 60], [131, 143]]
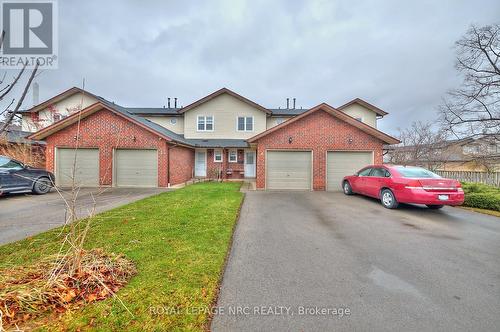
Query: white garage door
[[136, 168], [342, 163], [86, 167], [288, 170]]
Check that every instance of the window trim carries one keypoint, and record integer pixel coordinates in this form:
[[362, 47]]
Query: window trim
[[205, 123], [229, 155], [221, 156], [245, 123]]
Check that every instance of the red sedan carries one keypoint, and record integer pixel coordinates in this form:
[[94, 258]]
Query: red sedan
[[404, 184]]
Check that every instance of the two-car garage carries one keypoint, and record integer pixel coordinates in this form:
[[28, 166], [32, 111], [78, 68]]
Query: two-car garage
[[292, 170], [131, 167]]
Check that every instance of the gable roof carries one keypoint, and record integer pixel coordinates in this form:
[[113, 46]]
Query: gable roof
[[63, 95], [121, 111], [221, 92], [365, 104], [336, 113]]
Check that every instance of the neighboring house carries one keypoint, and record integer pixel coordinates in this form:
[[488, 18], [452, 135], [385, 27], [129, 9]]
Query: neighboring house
[[480, 154], [15, 144], [223, 135]]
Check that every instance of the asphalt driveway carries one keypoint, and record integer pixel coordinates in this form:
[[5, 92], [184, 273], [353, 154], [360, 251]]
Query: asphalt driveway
[[26, 215], [411, 269]]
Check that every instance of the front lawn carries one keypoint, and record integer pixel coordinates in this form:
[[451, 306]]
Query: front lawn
[[178, 242], [481, 196]]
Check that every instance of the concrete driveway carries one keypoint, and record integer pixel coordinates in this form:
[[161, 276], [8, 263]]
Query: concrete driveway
[[26, 215], [411, 269]]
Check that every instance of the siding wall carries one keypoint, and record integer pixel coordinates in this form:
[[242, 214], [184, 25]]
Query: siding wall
[[225, 109]]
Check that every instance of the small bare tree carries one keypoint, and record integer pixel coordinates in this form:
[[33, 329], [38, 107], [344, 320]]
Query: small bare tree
[[420, 146], [474, 108], [6, 91]]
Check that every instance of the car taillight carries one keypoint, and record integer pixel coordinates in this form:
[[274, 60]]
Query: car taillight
[[413, 184], [459, 187]]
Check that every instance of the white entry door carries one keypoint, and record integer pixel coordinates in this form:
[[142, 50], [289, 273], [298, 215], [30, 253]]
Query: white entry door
[[249, 164], [200, 162]]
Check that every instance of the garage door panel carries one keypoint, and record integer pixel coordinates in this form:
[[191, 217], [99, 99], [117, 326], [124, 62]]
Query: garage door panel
[[86, 167], [342, 163], [289, 170], [136, 168]]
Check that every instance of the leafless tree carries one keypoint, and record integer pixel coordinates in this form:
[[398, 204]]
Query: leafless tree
[[420, 146], [474, 108], [6, 91]]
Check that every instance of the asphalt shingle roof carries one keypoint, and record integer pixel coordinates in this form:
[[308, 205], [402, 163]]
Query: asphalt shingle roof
[[287, 111]]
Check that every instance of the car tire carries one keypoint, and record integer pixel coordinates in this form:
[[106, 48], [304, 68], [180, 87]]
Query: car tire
[[388, 199], [346, 188], [434, 207], [42, 186]]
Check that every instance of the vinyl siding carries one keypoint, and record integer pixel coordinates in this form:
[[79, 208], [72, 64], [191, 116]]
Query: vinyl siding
[[356, 111], [225, 109], [62, 107], [164, 121]]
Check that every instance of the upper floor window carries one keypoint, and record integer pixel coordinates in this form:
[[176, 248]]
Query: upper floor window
[[205, 123], [245, 123]]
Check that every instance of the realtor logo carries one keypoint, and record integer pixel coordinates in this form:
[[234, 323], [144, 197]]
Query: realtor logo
[[30, 34]]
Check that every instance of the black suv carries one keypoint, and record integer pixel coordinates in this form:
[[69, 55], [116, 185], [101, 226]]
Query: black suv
[[15, 177]]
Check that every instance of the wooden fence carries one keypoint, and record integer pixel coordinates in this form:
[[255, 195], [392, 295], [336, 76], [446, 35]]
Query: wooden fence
[[493, 178]]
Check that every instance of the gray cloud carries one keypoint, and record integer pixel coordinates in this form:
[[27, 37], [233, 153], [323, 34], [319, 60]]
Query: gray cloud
[[395, 54]]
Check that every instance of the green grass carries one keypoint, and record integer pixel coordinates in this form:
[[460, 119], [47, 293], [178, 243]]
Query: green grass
[[178, 241], [481, 196]]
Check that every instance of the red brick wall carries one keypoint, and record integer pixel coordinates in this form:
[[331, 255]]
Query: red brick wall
[[106, 131], [181, 164], [213, 167], [319, 132]]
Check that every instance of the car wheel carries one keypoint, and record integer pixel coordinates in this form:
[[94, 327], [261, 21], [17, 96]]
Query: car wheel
[[435, 207], [347, 188], [388, 199], [42, 186]]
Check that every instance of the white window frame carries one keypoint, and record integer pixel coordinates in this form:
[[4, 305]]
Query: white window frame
[[205, 122], [245, 123], [229, 155], [218, 152]]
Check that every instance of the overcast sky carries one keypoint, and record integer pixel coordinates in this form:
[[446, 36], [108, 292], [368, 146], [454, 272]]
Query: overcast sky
[[397, 55]]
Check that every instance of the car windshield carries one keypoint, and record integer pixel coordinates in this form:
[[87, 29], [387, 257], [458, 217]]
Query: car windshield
[[416, 172]]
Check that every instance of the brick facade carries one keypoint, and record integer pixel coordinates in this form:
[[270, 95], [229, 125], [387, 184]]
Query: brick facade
[[228, 170], [318, 132], [107, 131], [181, 164]]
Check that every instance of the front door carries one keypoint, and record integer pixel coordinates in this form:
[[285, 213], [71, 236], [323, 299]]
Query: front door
[[249, 164], [200, 162]]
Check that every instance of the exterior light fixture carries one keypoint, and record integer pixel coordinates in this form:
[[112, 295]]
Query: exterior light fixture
[[290, 140]]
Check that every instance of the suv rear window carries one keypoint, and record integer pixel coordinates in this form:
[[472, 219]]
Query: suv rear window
[[416, 172]]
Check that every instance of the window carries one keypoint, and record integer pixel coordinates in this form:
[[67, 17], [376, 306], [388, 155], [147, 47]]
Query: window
[[217, 156], [364, 172], [245, 123], [233, 156], [378, 172], [205, 123], [416, 172], [7, 163]]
